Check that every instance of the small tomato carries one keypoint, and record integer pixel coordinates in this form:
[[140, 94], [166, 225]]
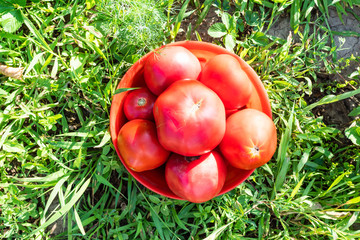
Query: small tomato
[[139, 103]]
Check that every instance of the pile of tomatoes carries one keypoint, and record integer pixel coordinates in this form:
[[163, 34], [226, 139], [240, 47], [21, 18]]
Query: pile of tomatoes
[[192, 118]]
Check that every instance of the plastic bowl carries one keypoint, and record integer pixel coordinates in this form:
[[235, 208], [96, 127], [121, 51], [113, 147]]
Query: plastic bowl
[[155, 179]]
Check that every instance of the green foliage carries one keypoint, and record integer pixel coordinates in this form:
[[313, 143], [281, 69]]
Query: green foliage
[[10, 15], [57, 161], [227, 29], [137, 25]]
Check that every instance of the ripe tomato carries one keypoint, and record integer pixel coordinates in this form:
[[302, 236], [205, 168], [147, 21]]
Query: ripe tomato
[[223, 74], [190, 118], [168, 65], [229, 112], [250, 139], [139, 103], [139, 146], [196, 179]]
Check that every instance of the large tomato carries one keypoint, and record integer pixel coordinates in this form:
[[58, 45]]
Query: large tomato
[[250, 139], [139, 146], [190, 118], [224, 75], [139, 103], [168, 65], [196, 179]]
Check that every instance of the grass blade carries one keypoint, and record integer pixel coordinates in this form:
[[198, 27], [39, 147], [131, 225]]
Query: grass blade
[[178, 221], [352, 220], [179, 18], [157, 223], [91, 45], [296, 189], [53, 194], [52, 177], [282, 159], [104, 140], [120, 90], [71, 145], [336, 181], [79, 223], [6, 133], [295, 15], [303, 160], [214, 235], [55, 68], [37, 34], [64, 209], [332, 98], [353, 201], [207, 4], [102, 180], [33, 62]]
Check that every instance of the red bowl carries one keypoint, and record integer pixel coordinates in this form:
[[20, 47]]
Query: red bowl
[[155, 179]]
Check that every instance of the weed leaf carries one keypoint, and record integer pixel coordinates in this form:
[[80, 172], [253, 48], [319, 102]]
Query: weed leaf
[[353, 133], [355, 112], [11, 21], [230, 42], [217, 30]]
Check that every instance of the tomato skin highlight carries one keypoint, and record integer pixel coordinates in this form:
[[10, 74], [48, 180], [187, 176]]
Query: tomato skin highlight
[[139, 103], [190, 118], [224, 75], [168, 65], [139, 146], [250, 139], [196, 181]]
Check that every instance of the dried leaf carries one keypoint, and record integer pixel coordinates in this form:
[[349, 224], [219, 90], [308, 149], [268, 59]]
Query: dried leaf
[[12, 72]]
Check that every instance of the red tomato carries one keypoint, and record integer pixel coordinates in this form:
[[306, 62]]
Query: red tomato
[[139, 103], [190, 118], [229, 112], [168, 65], [196, 179], [250, 139], [139, 146], [223, 74]]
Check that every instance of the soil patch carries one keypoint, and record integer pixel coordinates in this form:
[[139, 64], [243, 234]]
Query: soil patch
[[202, 29]]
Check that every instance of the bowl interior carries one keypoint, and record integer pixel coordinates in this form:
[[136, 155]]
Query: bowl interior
[[155, 179]]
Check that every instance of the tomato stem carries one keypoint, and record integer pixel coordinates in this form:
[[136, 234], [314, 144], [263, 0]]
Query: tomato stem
[[255, 151], [192, 158], [141, 102], [197, 105]]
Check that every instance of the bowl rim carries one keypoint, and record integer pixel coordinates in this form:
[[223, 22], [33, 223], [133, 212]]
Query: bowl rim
[[196, 47]]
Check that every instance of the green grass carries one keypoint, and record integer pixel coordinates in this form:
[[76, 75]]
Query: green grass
[[57, 162]]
